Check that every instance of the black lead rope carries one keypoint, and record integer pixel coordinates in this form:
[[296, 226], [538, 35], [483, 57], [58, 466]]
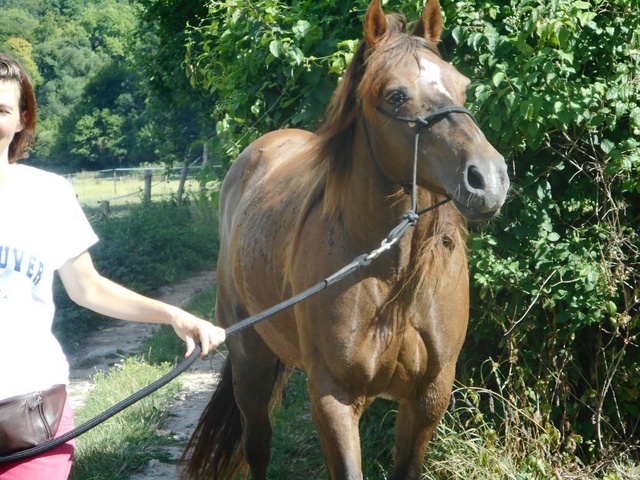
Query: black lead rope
[[409, 219]]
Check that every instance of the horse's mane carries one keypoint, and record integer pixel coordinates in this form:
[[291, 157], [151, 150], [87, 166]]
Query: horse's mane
[[331, 152]]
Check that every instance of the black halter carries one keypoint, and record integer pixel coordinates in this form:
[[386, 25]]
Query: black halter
[[420, 123], [430, 119]]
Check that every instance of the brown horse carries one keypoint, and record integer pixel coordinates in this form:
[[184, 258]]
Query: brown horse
[[297, 206]]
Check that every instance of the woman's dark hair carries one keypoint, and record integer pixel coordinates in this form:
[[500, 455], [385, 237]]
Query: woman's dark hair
[[12, 71]]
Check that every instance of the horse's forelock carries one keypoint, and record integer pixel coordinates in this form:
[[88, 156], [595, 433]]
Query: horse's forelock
[[382, 61]]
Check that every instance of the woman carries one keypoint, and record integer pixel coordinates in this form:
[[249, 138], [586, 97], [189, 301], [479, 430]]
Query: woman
[[43, 229]]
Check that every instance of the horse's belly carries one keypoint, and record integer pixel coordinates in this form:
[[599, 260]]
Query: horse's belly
[[282, 341]]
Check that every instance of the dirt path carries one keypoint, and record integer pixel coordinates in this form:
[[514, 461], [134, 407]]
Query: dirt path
[[111, 345]]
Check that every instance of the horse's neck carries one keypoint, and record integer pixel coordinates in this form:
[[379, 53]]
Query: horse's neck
[[373, 204]]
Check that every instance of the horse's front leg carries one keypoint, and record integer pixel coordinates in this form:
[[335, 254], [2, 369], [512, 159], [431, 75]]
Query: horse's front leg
[[336, 416], [417, 422]]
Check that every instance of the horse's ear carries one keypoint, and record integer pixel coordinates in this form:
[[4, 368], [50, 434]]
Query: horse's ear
[[430, 25], [375, 23]]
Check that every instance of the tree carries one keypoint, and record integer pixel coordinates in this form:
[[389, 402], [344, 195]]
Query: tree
[[181, 113], [109, 27], [270, 65], [16, 23], [23, 51]]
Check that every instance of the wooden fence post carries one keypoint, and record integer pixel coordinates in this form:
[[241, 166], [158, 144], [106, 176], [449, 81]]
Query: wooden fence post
[[205, 161], [106, 208], [147, 185], [183, 179]]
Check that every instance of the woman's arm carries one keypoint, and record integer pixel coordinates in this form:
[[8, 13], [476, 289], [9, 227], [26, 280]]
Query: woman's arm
[[89, 289]]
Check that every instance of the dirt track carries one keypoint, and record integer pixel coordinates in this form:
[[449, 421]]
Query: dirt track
[[122, 339]]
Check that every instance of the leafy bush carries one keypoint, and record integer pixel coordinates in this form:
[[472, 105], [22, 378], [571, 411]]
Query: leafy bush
[[556, 278], [270, 64], [153, 244]]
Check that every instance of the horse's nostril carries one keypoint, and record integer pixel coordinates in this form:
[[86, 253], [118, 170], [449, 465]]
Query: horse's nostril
[[474, 178]]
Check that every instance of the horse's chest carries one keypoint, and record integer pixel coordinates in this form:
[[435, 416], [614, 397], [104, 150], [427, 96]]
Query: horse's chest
[[397, 350]]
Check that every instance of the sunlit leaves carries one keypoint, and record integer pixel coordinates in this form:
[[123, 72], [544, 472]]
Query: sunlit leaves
[[556, 85], [270, 64]]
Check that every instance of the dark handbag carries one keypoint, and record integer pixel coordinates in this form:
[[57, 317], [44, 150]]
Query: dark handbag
[[31, 419]]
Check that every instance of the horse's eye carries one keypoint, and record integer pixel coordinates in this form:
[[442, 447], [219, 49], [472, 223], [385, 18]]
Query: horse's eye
[[397, 98]]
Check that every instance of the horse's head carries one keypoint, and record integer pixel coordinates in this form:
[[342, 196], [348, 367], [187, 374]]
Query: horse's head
[[407, 89]]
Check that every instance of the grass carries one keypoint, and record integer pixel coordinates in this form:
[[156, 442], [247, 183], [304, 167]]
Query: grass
[[482, 435], [468, 444], [471, 442], [125, 443], [295, 447]]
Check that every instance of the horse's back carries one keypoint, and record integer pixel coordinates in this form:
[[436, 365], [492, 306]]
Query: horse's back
[[259, 162]]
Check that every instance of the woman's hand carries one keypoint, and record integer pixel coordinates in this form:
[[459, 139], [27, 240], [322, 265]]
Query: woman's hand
[[191, 329]]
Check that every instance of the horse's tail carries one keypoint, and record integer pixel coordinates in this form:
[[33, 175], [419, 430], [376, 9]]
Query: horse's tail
[[214, 450]]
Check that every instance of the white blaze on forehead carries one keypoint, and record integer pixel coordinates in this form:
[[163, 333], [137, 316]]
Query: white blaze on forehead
[[430, 74]]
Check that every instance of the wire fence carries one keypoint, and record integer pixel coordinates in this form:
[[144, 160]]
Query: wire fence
[[120, 186]]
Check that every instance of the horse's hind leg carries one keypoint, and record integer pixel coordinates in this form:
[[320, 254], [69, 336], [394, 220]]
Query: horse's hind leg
[[255, 372], [417, 422]]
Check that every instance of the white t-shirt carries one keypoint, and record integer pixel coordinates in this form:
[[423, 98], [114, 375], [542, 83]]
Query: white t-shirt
[[41, 227]]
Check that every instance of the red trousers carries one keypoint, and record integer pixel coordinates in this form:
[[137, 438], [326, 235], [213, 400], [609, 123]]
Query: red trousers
[[52, 465]]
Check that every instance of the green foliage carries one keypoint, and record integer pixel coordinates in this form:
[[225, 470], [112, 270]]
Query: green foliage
[[23, 51], [270, 64], [102, 130], [181, 114], [556, 280], [162, 231], [70, 47], [109, 26], [16, 22]]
